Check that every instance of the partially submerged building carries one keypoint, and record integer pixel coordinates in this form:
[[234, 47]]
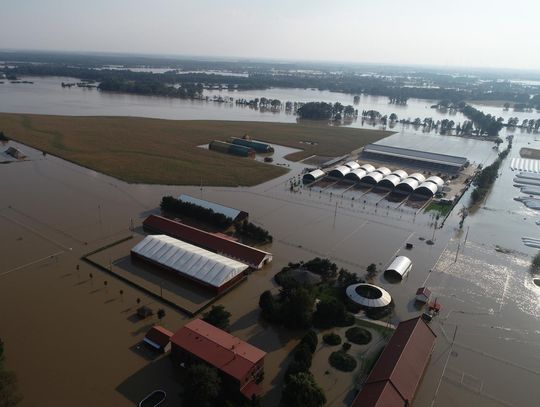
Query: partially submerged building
[[397, 373], [15, 153], [339, 172], [399, 268], [235, 214], [313, 176], [356, 175], [217, 243], [158, 338], [239, 364], [200, 266]]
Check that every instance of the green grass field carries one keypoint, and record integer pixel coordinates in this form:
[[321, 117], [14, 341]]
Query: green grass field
[[155, 151]]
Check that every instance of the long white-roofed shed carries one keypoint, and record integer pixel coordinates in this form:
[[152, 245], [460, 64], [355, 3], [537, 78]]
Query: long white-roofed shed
[[313, 175], [193, 263], [340, 172], [353, 165]]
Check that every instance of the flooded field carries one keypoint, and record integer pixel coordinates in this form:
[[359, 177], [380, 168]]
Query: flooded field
[[52, 212]]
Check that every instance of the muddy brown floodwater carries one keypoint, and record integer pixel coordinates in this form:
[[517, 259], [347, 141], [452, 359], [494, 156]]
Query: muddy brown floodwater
[[75, 341]]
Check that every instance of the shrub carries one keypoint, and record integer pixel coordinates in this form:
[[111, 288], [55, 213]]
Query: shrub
[[346, 346], [332, 339], [310, 340], [342, 361], [358, 335]]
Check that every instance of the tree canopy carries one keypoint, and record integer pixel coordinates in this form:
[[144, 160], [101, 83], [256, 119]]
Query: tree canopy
[[302, 390], [218, 316], [202, 386]]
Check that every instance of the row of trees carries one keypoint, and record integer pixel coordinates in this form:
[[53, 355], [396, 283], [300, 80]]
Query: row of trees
[[485, 123], [300, 388], [485, 179], [152, 87], [177, 207]]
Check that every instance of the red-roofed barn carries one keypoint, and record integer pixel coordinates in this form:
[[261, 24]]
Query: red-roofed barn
[[239, 363], [398, 371]]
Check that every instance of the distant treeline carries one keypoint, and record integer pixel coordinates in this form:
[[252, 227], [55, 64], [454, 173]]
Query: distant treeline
[[326, 111], [397, 88]]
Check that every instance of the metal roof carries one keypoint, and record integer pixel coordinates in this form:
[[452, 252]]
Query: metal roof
[[340, 171], [381, 301], [400, 367], [383, 170], [391, 180], [217, 208], [356, 175], [400, 266], [315, 174], [353, 165], [373, 177], [417, 176], [400, 173], [200, 264], [436, 180], [408, 184], [425, 156], [426, 188], [368, 167]]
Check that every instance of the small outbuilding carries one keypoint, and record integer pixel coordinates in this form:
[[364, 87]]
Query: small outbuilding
[[423, 294], [398, 268], [158, 338]]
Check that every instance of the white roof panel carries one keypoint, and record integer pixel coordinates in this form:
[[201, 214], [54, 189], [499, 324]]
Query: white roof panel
[[196, 262]]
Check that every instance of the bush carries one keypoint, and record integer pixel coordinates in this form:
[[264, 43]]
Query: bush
[[346, 346], [342, 361], [332, 339], [310, 340], [358, 335], [303, 354]]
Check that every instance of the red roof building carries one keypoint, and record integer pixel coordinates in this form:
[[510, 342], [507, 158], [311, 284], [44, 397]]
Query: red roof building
[[398, 371], [158, 338], [254, 258], [239, 363]]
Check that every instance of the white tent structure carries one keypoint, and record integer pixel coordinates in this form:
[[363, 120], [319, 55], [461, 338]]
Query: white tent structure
[[436, 180], [383, 170], [389, 182], [417, 176], [400, 173], [190, 261], [408, 185], [339, 172], [399, 267], [353, 165], [368, 167], [313, 175], [426, 188], [356, 175], [372, 178], [368, 295]]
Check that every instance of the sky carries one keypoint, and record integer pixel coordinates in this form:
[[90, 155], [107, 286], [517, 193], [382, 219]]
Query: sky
[[471, 33]]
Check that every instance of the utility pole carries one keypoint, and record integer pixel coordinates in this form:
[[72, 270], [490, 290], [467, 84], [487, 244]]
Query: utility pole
[[457, 252], [444, 368], [335, 214], [466, 236]]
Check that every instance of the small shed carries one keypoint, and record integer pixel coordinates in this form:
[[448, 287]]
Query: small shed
[[423, 294], [158, 338]]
